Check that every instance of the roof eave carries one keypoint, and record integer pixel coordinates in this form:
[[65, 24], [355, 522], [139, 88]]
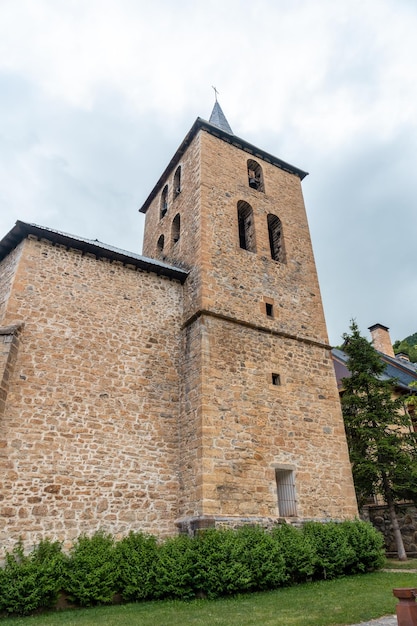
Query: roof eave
[[22, 230], [201, 124]]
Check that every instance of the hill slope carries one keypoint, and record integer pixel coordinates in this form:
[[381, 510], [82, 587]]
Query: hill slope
[[408, 346]]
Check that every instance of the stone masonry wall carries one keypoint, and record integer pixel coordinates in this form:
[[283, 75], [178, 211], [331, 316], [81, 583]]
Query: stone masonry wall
[[186, 252], [9, 343], [236, 427], [190, 425], [236, 281], [250, 426], [7, 274], [298, 424], [378, 515], [89, 433]]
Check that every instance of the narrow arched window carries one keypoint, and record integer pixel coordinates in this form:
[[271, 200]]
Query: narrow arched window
[[246, 226], [276, 241], [164, 202], [176, 228], [255, 176], [177, 181], [160, 244]]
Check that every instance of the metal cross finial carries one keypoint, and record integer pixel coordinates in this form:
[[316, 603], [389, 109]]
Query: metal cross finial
[[215, 92]]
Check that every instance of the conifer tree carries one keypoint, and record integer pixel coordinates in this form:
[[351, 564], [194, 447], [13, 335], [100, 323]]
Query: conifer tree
[[382, 446]]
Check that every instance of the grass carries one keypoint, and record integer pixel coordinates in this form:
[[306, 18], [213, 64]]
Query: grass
[[344, 601], [395, 564]]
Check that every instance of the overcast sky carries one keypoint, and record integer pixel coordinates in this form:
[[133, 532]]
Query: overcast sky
[[96, 95]]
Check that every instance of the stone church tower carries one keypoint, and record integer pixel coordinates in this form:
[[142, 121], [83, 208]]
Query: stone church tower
[[260, 429], [187, 388]]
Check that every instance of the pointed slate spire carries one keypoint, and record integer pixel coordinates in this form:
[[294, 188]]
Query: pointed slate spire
[[218, 118]]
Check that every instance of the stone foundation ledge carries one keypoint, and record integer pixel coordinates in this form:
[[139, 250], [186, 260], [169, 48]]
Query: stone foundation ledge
[[191, 525]]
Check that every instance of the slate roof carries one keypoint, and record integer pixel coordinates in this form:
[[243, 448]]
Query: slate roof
[[402, 371], [218, 118], [21, 230]]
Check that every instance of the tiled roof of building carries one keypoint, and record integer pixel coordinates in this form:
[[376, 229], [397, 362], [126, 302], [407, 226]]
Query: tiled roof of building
[[402, 371]]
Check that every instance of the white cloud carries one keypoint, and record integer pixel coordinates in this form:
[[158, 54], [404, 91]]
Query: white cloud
[[97, 95]]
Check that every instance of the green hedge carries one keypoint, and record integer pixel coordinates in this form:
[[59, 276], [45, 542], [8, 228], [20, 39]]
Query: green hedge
[[31, 582], [136, 556], [297, 551], [91, 570], [212, 564]]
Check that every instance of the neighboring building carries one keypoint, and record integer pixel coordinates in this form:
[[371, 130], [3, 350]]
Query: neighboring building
[[397, 367], [187, 388]]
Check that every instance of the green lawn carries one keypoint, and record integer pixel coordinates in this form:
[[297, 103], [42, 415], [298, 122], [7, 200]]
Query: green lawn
[[395, 564], [326, 603]]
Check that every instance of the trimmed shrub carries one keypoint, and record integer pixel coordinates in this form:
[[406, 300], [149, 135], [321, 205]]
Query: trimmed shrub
[[31, 582], [297, 552], [90, 574], [136, 555], [219, 567], [236, 561], [259, 552], [331, 548], [173, 570], [367, 544]]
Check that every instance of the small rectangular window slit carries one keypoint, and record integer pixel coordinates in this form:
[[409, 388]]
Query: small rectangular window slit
[[276, 379], [269, 309]]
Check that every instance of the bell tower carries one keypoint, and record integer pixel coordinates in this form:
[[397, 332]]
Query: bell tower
[[260, 433]]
